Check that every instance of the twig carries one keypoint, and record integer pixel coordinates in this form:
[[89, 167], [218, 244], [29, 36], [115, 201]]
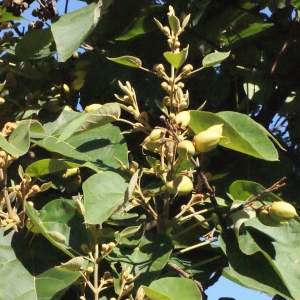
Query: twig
[[16, 29], [274, 187], [186, 275], [208, 188]]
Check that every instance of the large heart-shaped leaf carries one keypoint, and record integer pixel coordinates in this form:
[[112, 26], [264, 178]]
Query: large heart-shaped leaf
[[27, 271], [33, 42], [175, 288], [103, 193], [262, 277], [73, 28]]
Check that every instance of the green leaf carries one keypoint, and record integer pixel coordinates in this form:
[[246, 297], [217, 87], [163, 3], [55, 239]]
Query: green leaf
[[240, 131], [263, 277], [40, 227], [176, 288], [48, 166], [251, 30], [148, 258], [129, 231], [280, 245], [177, 59], [138, 25], [162, 107], [73, 28], [18, 143], [26, 69], [213, 59], [37, 130], [103, 193], [173, 22], [61, 215], [8, 16], [33, 42], [130, 61], [243, 190], [29, 271], [154, 295], [105, 114], [98, 146]]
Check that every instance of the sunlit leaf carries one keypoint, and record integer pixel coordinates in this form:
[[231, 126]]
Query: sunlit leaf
[[130, 61], [177, 59], [240, 131], [176, 288], [105, 114], [215, 58]]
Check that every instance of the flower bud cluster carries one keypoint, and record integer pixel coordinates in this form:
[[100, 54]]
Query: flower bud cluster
[[8, 128], [6, 159]]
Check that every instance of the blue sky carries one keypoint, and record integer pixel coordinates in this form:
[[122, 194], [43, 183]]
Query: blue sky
[[224, 287]]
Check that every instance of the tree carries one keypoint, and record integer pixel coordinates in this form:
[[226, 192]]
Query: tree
[[176, 171]]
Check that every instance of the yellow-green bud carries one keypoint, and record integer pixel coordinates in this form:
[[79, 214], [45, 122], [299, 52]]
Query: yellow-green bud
[[209, 139], [183, 119], [92, 107], [181, 185], [282, 211], [156, 134], [185, 149], [264, 217]]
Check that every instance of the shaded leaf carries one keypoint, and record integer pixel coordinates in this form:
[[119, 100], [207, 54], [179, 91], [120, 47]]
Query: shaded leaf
[[251, 30], [33, 42], [103, 193], [263, 277], [18, 142], [148, 258], [8, 16], [129, 231], [29, 270], [48, 166], [32, 214], [137, 26], [73, 28]]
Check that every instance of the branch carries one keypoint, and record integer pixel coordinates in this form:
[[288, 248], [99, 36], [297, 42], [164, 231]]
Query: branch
[[186, 275], [248, 202]]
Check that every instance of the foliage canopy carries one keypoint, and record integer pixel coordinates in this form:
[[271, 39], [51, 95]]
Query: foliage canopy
[[101, 204]]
